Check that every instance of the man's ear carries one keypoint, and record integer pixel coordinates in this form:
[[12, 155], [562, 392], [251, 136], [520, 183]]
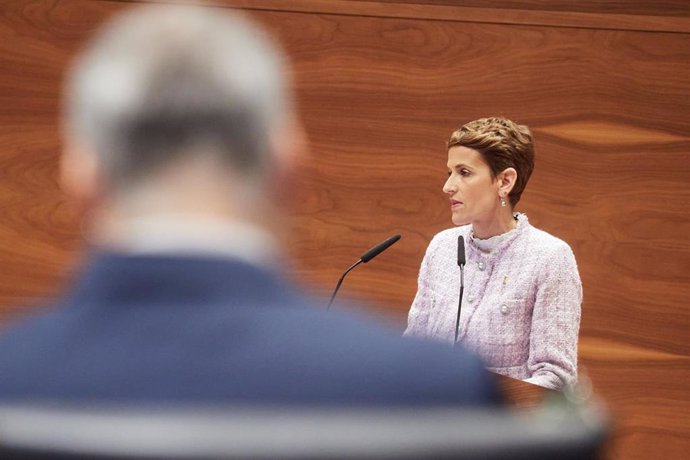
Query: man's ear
[[506, 181], [81, 176], [290, 153], [289, 145]]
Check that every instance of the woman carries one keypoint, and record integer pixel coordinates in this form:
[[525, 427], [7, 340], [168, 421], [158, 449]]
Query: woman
[[522, 291]]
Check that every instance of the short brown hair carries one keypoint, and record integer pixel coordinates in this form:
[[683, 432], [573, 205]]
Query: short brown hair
[[503, 144]]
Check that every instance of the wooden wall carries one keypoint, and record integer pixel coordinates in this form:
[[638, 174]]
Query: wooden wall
[[603, 84]]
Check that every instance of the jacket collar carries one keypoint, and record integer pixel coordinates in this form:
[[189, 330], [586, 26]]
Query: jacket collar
[[501, 242], [122, 278]]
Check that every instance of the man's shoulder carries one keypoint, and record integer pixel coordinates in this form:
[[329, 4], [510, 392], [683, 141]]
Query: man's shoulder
[[409, 367], [279, 348]]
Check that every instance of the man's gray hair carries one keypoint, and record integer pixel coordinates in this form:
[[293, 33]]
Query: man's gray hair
[[162, 82]]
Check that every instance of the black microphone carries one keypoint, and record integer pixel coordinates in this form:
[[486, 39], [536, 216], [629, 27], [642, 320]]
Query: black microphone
[[379, 248], [461, 264], [366, 257]]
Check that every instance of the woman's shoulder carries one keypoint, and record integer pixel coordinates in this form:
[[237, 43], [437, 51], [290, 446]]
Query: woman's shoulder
[[545, 238], [451, 235], [547, 243]]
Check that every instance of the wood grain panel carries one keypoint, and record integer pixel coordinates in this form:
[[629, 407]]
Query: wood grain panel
[[381, 97], [642, 389], [39, 232], [482, 14], [642, 7], [380, 88]]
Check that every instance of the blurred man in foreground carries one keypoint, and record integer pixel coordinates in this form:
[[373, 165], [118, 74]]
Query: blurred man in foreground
[[180, 144]]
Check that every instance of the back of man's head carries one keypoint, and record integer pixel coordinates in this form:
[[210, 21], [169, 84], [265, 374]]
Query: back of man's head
[[165, 84]]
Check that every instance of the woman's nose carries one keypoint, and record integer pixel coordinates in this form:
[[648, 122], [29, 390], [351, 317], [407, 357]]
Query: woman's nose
[[448, 187]]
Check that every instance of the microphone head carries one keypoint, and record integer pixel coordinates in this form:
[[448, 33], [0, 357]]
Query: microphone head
[[379, 248], [461, 250]]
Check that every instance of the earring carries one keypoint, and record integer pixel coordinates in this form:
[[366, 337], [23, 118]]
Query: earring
[[503, 199]]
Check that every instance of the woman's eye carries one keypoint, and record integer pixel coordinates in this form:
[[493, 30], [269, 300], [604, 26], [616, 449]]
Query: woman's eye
[[461, 172]]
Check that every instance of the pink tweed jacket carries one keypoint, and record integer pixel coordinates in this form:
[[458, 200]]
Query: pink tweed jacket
[[520, 307]]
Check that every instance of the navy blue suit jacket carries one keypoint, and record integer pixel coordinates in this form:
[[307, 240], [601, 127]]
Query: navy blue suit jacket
[[160, 329]]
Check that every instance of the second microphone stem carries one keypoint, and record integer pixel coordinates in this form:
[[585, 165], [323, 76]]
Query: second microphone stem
[[462, 288]]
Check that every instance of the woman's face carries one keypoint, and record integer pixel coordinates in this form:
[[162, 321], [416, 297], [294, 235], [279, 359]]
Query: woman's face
[[472, 191]]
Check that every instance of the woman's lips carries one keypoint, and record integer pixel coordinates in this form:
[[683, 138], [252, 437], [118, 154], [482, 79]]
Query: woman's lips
[[455, 203]]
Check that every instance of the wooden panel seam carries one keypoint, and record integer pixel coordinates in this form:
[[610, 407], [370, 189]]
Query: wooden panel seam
[[627, 22]]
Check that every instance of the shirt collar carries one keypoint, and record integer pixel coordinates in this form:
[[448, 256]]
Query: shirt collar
[[495, 243], [185, 235]]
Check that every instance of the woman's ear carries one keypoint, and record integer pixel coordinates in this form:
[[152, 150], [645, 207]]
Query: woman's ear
[[506, 181]]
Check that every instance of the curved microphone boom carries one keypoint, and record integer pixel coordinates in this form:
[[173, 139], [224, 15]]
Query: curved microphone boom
[[366, 257]]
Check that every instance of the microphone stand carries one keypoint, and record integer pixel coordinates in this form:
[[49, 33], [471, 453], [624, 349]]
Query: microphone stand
[[461, 264], [462, 288], [366, 257], [340, 281]]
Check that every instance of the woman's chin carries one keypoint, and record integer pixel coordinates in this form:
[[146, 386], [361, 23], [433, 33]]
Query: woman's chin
[[459, 220]]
